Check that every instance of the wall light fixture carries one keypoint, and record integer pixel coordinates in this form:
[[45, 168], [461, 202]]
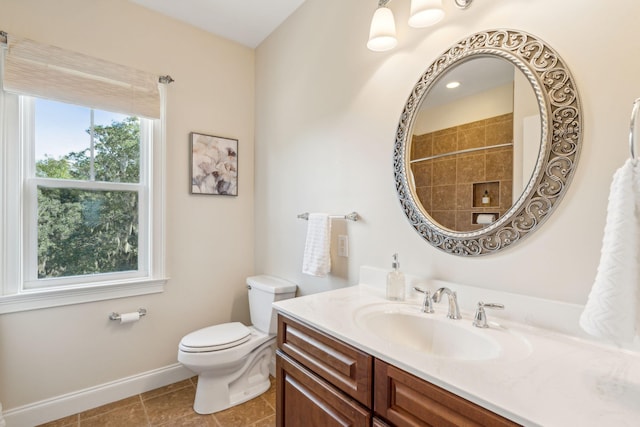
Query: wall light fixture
[[424, 13]]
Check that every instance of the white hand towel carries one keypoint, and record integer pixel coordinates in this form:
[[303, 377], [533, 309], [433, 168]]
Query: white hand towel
[[612, 309], [317, 259]]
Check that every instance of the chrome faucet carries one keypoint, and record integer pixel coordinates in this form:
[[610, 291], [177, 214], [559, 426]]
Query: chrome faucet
[[427, 305], [454, 311], [480, 318]]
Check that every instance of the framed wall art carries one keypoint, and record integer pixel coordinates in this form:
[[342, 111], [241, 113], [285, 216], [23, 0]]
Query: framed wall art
[[214, 165]]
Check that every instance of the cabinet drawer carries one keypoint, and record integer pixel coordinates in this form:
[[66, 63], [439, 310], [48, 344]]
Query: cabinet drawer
[[405, 400], [310, 401], [343, 366]]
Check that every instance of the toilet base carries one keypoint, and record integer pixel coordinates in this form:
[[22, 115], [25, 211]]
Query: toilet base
[[216, 393]]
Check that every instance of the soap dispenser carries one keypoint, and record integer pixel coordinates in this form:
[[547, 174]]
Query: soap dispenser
[[395, 281], [486, 199]]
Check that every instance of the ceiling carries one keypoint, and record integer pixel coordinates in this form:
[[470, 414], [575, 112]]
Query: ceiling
[[475, 75], [247, 22]]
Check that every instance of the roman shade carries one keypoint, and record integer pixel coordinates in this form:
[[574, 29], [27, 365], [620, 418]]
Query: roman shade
[[45, 71]]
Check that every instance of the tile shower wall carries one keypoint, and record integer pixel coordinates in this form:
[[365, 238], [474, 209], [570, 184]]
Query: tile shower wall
[[451, 187]]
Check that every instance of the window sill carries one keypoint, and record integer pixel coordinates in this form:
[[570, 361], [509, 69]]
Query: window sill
[[35, 300]]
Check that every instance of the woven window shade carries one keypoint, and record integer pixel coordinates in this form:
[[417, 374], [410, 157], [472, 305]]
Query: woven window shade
[[44, 71]]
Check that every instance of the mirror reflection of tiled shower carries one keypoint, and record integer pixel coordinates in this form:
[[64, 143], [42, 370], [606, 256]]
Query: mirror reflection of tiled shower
[[466, 176]]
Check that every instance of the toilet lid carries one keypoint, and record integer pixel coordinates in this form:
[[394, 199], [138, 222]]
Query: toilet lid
[[217, 337]]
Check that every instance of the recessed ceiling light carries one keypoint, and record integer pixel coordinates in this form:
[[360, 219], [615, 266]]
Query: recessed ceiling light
[[453, 85]]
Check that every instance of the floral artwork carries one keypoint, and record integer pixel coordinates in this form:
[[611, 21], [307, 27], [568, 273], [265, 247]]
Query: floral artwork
[[214, 165]]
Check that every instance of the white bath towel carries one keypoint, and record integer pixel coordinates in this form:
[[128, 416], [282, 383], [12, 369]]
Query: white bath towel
[[317, 259], [612, 310]]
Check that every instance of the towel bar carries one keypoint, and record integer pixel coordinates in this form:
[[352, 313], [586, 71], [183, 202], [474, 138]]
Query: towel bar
[[632, 128], [353, 216]]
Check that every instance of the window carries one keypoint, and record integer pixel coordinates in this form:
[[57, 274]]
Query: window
[[81, 198], [84, 189]]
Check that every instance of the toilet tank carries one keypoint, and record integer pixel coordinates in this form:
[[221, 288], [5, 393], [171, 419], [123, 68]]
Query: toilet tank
[[263, 291]]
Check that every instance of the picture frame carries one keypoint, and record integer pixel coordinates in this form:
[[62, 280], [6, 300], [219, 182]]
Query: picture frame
[[214, 165]]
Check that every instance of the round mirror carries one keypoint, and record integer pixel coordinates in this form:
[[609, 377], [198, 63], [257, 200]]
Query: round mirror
[[487, 142]]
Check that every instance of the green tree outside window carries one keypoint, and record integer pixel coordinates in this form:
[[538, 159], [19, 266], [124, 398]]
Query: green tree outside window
[[83, 231]]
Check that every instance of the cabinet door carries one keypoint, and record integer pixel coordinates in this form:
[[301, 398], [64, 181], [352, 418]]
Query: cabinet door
[[303, 399], [342, 365], [405, 400], [377, 422]]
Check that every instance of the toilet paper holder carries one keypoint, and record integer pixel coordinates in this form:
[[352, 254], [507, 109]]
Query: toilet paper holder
[[116, 316]]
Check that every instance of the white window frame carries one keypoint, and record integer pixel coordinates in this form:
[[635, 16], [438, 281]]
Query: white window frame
[[18, 221]]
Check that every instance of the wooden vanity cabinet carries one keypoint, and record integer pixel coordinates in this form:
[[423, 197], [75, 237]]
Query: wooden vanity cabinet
[[406, 400], [345, 367], [323, 382], [320, 381], [304, 399], [377, 422]]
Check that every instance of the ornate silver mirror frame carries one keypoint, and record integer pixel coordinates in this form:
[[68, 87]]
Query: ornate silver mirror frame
[[561, 136]]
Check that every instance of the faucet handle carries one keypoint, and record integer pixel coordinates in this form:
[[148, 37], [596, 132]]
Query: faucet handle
[[427, 304], [480, 318]]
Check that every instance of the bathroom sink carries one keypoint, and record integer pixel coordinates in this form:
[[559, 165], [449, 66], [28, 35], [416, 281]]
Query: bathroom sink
[[435, 335]]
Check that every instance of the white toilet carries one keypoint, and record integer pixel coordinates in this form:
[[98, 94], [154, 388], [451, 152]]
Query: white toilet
[[232, 360]]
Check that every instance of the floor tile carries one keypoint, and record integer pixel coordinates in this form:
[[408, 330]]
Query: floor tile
[[193, 420], [270, 397], [100, 410], [246, 414], [131, 416], [166, 389], [267, 422], [170, 406], [70, 421]]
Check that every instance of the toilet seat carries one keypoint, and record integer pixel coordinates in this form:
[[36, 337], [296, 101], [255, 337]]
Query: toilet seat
[[215, 338]]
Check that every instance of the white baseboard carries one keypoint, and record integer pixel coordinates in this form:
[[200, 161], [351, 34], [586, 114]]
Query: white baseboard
[[72, 403]]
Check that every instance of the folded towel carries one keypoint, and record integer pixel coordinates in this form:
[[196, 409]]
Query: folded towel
[[612, 309], [317, 260]]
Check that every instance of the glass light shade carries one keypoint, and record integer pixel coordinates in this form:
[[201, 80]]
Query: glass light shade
[[425, 13], [382, 35]]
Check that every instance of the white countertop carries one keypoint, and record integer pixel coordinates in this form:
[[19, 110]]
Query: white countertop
[[561, 380]]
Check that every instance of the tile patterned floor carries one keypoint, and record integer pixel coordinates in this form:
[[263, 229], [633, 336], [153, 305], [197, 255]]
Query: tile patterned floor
[[172, 406]]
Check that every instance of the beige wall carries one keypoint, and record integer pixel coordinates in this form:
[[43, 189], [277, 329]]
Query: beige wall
[[328, 110], [495, 101], [46, 353]]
